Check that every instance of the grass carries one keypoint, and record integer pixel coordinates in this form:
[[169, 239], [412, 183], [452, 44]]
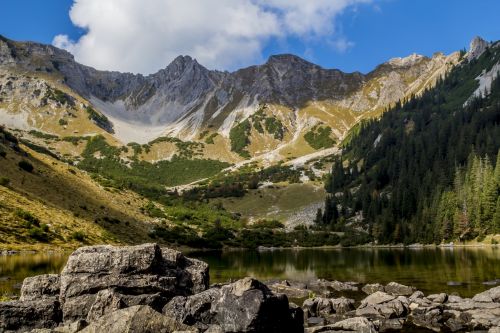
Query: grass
[[279, 203]]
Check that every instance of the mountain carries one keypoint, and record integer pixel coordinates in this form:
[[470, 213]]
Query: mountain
[[428, 170], [189, 102]]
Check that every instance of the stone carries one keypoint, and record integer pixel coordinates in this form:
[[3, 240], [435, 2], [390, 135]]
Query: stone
[[490, 295], [395, 324], [438, 298], [40, 286], [430, 318], [289, 291], [136, 319], [242, 306], [397, 289], [371, 288], [26, 315], [106, 301], [138, 275], [356, 324], [377, 298], [323, 307]]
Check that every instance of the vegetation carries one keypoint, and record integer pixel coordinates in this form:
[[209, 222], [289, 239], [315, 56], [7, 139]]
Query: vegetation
[[99, 119], [427, 171], [210, 139], [63, 122], [239, 137], [146, 178], [319, 137], [58, 96]]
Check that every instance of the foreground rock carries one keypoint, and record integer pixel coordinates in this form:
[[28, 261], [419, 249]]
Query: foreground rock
[[244, 306], [125, 289]]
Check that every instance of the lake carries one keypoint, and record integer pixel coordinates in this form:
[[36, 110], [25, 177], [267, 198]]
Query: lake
[[451, 270]]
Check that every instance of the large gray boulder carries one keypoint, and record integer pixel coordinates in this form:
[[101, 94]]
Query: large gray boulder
[[397, 289], [246, 305], [136, 319], [137, 275], [25, 315]]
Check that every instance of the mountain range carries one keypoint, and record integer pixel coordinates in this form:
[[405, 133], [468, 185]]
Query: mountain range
[[283, 100]]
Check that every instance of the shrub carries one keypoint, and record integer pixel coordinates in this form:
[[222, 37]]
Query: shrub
[[3, 153], [38, 234], [78, 236], [63, 122], [25, 165], [28, 217], [4, 181]]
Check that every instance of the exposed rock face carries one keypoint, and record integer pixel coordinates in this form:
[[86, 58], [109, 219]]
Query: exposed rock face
[[243, 306], [476, 48]]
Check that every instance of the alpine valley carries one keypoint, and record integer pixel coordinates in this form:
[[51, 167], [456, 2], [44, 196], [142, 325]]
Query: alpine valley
[[285, 153]]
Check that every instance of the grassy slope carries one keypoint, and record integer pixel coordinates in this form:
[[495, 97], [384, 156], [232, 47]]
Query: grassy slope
[[280, 202], [68, 201]]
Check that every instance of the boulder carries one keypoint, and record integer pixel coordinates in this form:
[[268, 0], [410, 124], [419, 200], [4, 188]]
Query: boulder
[[490, 295], [377, 297], [397, 289], [371, 288], [136, 319], [138, 275], [356, 324], [40, 286], [323, 307], [26, 315], [438, 298], [428, 317], [289, 290], [243, 306]]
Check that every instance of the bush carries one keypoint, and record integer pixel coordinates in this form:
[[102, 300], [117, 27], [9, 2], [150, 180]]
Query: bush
[[3, 153], [25, 165], [63, 122], [28, 217], [38, 234], [4, 181], [78, 236]]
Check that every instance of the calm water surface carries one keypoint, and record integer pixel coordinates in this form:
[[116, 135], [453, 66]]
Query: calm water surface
[[430, 270]]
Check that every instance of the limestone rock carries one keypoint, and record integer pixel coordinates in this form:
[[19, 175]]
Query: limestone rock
[[26, 315], [136, 319], [40, 286]]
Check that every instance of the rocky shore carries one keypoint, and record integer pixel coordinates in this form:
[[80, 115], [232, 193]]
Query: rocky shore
[[147, 288]]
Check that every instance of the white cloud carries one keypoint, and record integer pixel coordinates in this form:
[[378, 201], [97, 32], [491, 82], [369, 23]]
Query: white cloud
[[144, 36]]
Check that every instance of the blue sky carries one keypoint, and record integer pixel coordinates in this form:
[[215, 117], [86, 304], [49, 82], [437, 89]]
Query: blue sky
[[374, 32]]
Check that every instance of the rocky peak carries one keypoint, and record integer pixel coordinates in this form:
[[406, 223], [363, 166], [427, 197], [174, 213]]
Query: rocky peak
[[410, 60], [476, 48]]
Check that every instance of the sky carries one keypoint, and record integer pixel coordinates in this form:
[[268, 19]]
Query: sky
[[143, 36]]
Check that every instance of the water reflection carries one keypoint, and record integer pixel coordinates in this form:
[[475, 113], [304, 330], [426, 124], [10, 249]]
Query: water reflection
[[430, 270]]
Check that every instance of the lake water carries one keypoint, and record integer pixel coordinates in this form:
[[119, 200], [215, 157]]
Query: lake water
[[458, 270]]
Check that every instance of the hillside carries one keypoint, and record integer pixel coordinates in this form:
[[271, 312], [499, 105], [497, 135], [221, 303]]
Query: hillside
[[428, 170]]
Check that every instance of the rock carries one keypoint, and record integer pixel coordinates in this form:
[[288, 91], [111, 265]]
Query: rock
[[438, 298], [429, 317], [289, 291], [106, 301], [377, 298], [26, 315], [494, 329], [248, 305], [371, 288], [315, 321], [455, 299], [390, 309], [322, 284], [395, 324], [136, 319], [397, 289], [323, 307], [243, 306], [40, 286], [356, 324], [138, 275], [476, 48], [490, 295]]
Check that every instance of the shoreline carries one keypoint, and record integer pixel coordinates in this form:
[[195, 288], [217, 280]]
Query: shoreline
[[35, 249]]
